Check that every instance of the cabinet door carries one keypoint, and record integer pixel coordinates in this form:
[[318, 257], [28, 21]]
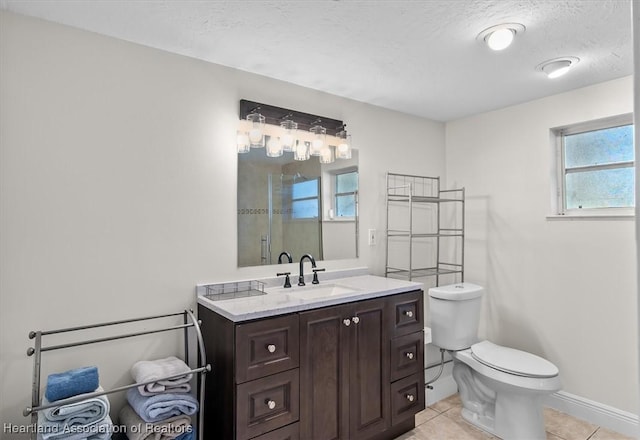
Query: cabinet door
[[324, 374], [369, 396]]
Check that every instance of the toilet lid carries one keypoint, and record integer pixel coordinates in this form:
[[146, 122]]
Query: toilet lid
[[512, 361]]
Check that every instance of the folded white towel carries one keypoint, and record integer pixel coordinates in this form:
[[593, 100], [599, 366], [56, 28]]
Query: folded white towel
[[144, 371], [138, 429]]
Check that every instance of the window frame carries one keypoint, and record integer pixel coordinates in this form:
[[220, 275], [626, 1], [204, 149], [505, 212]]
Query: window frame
[[337, 194], [317, 198], [559, 134]]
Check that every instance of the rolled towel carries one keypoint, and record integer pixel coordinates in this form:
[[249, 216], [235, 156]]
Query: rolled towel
[[161, 406], [68, 419], [71, 383], [99, 431], [144, 371], [169, 429]]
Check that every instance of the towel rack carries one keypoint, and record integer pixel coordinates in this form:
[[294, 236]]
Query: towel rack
[[189, 320]]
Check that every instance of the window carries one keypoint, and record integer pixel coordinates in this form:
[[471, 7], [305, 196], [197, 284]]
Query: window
[[346, 191], [305, 199], [597, 172]]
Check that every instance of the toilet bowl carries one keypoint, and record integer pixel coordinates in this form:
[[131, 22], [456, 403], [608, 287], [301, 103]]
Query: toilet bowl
[[501, 388]]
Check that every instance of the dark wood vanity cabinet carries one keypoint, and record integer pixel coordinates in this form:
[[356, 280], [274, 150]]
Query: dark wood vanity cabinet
[[350, 371], [344, 367]]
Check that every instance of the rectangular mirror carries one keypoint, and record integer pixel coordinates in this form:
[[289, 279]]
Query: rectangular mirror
[[298, 207]]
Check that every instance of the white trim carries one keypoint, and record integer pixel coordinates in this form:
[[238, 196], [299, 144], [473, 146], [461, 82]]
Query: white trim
[[594, 412], [554, 217]]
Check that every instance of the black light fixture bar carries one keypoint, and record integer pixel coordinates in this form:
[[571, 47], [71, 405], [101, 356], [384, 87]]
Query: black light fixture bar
[[274, 115]]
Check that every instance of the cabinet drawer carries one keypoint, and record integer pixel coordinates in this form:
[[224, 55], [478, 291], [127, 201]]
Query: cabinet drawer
[[407, 355], [289, 432], [266, 347], [407, 397], [406, 313], [266, 404]]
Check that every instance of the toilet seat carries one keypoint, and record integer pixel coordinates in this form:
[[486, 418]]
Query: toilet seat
[[512, 361]]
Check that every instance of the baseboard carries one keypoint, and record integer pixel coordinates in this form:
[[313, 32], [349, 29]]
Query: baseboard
[[593, 412], [597, 413]]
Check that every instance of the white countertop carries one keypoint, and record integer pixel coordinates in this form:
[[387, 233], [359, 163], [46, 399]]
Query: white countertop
[[331, 291]]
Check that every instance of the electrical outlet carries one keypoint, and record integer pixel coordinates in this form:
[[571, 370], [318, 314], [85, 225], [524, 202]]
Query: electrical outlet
[[373, 237]]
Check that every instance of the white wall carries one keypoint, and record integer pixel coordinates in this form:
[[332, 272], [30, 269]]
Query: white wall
[[565, 290], [117, 188]]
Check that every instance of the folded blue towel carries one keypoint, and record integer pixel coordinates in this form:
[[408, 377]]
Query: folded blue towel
[[161, 406], [100, 431], [71, 383], [89, 417], [190, 434]]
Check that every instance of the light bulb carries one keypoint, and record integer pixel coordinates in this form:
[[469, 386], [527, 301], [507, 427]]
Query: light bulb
[[316, 147], [301, 151], [288, 137], [326, 155], [274, 147], [500, 39]]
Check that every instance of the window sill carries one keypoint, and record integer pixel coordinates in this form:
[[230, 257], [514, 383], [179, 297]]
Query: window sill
[[587, 217], [339, 219]]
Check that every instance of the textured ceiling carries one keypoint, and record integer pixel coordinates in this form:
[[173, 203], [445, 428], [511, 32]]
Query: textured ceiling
[[416, 56]]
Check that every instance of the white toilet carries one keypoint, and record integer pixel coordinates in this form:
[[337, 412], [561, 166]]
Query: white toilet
[[501, 388]]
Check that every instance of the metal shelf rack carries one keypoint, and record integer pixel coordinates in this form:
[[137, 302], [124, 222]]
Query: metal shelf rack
[[406, 194], [189, 320]]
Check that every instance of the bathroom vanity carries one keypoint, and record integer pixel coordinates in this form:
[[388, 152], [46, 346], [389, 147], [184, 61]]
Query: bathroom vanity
[[339, 360]]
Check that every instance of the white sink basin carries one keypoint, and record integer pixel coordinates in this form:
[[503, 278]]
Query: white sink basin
[[319, 291]]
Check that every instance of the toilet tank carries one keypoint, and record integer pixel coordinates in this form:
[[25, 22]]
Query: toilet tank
[[455, 313]]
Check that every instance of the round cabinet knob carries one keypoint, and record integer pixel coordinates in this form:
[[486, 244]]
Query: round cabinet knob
[[410, 397], [271, 404], [355, 319], [271, 348], [347, 322], [409, 313], [409, 355]]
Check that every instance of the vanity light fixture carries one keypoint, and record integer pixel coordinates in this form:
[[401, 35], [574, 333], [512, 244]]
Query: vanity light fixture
[[256, 129], [292, 132], [557, 66], [326, 154], [242, 142], [288, 137], [301, 151], [343, 150], [319, 134], [274, 147], [500, 36]]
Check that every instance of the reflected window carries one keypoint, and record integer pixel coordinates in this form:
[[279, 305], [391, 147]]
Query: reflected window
[[346, 189], [305, 200]]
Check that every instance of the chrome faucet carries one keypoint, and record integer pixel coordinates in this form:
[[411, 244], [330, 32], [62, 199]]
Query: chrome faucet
[[313, 264], [284, 254]]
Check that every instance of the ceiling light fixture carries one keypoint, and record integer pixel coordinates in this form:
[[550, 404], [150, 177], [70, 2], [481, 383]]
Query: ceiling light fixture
[[500, 36], [557, 66]]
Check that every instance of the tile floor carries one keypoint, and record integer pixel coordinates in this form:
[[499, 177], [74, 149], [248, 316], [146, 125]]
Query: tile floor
[[443, 421]]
